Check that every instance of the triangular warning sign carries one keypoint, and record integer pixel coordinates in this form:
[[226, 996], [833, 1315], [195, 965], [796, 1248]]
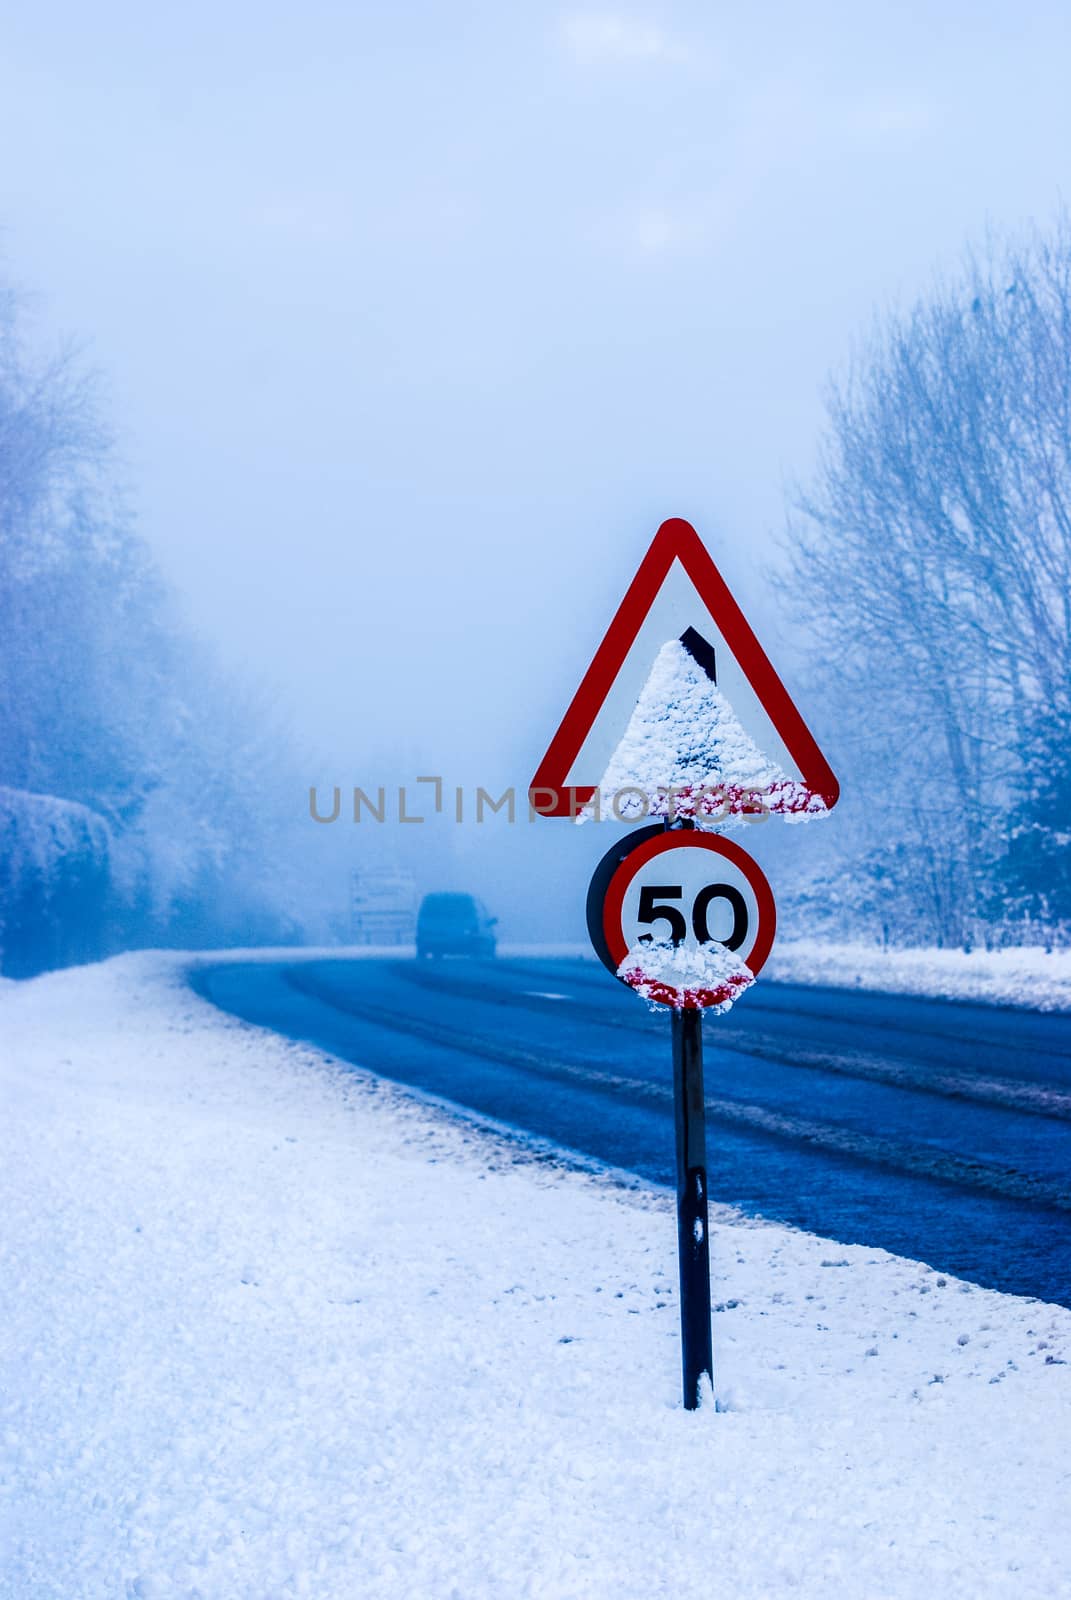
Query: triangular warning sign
[[678, 617]]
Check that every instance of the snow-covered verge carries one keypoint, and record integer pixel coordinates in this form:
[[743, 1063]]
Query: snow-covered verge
[[1025, 976], [274, 1329]]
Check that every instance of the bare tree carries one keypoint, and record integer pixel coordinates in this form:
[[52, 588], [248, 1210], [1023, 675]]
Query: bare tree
[[932, 555]]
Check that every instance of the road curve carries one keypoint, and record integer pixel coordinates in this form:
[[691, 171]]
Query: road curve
[[940, 1131]]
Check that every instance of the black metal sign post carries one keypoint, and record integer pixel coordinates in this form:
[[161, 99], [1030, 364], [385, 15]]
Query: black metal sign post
[[621, 908], [689, 1115], [693, 1234], [693, 1238]]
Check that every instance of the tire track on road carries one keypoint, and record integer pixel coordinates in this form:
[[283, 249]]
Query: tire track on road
[[923, 1160], [951, 1083]]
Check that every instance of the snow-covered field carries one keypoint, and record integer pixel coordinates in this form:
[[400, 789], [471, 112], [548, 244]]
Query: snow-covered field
[[274, 1329], [1022, 976]]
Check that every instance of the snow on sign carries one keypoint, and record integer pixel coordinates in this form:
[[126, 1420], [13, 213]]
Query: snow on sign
[[683, 917], [681, 717], [681, 713]]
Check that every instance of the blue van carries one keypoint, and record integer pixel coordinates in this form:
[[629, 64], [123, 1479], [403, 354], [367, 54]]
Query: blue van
[[454, 925]]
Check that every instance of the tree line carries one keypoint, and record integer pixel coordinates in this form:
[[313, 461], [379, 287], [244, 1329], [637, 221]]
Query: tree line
[[140, 797], [145, 798], [929, 569]]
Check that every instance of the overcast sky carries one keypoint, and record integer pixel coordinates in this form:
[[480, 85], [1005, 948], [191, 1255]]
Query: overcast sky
[[418, 319]]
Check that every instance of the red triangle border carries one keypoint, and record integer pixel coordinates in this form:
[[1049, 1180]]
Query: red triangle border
[[676, 539]]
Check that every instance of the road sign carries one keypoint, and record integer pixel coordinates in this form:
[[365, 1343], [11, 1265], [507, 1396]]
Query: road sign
[[682, 716], [662, 896], [679, 602], [687, 919]]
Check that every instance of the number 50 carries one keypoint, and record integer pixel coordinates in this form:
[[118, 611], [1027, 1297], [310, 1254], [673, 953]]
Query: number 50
[[650, 911]]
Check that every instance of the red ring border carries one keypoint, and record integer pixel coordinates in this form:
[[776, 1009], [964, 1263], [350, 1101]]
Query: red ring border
[[689, 838]]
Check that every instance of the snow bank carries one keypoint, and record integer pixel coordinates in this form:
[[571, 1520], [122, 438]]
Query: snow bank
[[273, 1329], [686, 754], [37, 831], [1025, 976]]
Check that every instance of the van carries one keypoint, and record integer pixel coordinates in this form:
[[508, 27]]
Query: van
[[454, 925]]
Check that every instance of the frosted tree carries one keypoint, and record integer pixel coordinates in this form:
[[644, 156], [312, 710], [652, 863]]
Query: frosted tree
[[931, 562], [140, 793]]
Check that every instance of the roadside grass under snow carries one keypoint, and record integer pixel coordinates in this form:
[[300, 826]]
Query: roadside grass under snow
[[1024, 976], [272, 1328]]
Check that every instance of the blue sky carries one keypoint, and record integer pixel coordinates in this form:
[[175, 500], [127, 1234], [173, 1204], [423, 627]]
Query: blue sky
[[418, 319]]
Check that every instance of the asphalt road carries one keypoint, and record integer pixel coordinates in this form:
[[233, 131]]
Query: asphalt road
[[937, 1130]]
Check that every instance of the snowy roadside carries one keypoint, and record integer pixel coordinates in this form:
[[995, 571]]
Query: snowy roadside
[[276, 1329], [1023, 976]]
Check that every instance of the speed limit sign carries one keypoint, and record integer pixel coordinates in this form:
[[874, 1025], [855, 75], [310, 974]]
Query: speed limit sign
[[685, 888], [680, 715]]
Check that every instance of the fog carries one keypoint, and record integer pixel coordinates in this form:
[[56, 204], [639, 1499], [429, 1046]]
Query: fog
[[418, 320]]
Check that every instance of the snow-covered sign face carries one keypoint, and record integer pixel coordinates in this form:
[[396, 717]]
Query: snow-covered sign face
[[684, 918], [686, 753], [681, 697]]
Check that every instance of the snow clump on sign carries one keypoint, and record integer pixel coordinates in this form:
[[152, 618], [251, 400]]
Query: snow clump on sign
[[685, 754], [708, 975]]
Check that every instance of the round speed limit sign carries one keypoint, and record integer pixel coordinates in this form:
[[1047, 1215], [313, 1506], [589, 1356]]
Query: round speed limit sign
[[665, 890]]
